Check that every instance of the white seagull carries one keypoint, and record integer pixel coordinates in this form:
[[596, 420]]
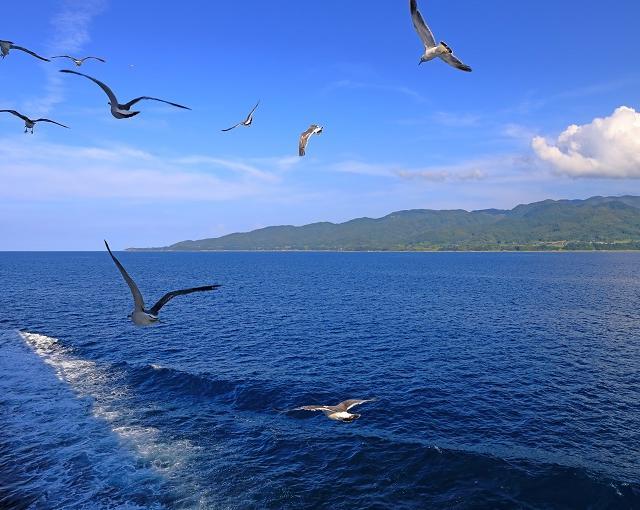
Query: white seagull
[[118, 110], [431, 49], [314, 129], [140, 315], [338, 412], [29, 124], [246, 122], [7, 46], [80, 61]]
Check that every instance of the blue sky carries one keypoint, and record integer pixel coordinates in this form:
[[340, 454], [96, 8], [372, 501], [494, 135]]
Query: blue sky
[[397, 136]]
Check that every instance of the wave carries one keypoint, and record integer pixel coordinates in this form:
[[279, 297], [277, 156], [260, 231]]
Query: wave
[[243, 395], [70, 434], [89, 434]]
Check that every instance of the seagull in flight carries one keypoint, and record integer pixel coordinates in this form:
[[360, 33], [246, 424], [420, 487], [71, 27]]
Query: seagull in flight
[[7, 46], [246, 122], [142, 316], [29, 124], [80, 61], [314, 129], [431, 49], [338, 412], [118, 110]]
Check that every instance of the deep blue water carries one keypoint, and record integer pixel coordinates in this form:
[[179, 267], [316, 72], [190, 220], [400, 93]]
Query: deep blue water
[[502, 381]]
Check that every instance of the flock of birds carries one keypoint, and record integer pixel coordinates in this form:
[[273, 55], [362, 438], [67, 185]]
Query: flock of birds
[[143, 316]]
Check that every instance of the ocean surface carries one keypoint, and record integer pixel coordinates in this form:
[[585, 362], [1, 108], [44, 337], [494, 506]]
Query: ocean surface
[[502, 381]]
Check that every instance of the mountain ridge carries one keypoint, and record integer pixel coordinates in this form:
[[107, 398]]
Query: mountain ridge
[[595, 223]]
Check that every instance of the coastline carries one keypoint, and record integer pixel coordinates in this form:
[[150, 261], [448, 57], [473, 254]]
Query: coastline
[[151, 250]]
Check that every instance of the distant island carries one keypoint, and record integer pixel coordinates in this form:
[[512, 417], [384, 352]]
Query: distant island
[[598, 223]]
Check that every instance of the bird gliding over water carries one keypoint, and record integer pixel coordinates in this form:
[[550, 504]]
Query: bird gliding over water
[[339, 412], [118, 110], [141, 315]]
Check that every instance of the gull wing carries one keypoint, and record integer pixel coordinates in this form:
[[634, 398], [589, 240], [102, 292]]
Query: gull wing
[[424, 32], [314, 408], [453, 61], [107, 90], [170, 295], [64, 56], [94, 58], [17, 114], [245, 121], [134, 101], [52, 122], [137, 296], [14, 47], [348, 404], [232, 127], [304, 139], [252, 111]]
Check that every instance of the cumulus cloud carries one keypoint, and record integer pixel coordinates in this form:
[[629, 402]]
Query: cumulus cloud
[[606, 148]]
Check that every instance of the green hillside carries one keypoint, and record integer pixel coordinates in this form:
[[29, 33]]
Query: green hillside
[[595, 223]]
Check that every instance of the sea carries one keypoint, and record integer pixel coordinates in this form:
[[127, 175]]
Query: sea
[[501, 381]]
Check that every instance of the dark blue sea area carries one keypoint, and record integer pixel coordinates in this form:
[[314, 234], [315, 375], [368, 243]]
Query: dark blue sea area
[[501, 381]]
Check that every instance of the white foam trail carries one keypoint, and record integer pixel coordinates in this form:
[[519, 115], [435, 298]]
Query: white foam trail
[[53, 452], [88, 379]]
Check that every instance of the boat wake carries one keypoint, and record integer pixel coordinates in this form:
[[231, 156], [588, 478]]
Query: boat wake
[[69, 437]]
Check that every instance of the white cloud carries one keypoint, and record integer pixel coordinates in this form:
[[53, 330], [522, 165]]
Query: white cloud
[[357, 85], [283, 163], [518, 132], [70, 34], [236, 166], [362, 168], [606, 148], [474, 174], [49, 171], [474, 169]]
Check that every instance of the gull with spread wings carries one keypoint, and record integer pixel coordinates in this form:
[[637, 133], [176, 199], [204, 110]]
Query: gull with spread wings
[[246, 122], [80, 61], [118, 110], [29, 124], [7, 46], [338, 412], [431, 49], [142, 316]]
